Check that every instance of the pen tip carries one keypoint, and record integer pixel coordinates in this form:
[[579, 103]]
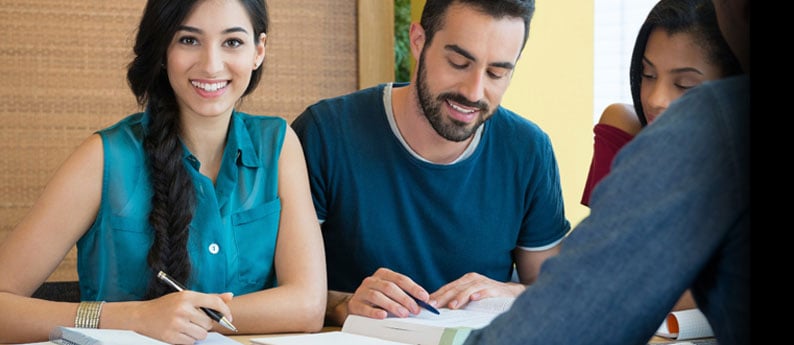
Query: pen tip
[[227, 324]]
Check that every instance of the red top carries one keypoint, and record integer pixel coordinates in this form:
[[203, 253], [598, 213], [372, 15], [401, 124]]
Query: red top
[[606, 144]]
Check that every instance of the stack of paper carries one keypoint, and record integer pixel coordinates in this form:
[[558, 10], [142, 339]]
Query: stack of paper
[[451, 327]]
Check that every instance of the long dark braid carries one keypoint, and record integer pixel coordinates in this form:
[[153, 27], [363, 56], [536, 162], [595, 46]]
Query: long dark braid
[[172, 188], [172, 199]]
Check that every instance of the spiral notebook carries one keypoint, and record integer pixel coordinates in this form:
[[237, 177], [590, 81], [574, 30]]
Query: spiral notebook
[[91, 336]]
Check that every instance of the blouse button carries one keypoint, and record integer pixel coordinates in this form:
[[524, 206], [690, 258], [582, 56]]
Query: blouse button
[[214, 248]]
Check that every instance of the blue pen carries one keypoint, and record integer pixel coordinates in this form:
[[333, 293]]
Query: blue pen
[[424, 304]]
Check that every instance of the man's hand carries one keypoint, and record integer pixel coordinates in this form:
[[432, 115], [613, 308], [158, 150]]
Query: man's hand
[[473, 287], [387, 292]]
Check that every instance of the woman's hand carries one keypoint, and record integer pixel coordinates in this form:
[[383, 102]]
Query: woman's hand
[[176, 318]]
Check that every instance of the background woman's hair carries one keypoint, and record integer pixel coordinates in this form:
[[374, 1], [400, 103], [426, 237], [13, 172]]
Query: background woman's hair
[[695, 17], [173, 194]]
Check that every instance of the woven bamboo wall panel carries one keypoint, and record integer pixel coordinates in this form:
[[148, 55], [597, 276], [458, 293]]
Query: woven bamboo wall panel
[[63, 71]]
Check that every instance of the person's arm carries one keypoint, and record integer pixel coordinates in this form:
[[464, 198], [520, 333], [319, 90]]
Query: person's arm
[[336, 309], [528, 262], [298, 303], [623, 117], [686, 301], [650, 210], [65, 209]]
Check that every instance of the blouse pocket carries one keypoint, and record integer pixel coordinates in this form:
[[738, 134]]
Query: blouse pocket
[[131, 239], [256, 230], [118, 260]]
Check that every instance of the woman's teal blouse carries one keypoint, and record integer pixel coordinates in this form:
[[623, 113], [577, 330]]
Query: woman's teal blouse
[[232, 237]]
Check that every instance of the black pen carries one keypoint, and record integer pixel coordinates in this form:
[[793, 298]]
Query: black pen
[[424, 304], [212, 313]]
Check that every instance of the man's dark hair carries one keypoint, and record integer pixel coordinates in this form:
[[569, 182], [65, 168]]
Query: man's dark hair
[[434, 13]]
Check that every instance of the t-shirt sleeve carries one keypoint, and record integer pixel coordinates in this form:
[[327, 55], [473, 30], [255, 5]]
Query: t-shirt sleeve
[[308, 130], [544, 222]]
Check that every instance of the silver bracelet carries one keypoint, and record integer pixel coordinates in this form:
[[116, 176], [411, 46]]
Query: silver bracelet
[[88, 314]]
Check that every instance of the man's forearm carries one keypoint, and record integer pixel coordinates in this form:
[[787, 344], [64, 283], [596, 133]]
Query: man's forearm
[[336, 308]]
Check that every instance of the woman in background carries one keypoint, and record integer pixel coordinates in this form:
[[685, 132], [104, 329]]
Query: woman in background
[[216, 198], [679, 46]]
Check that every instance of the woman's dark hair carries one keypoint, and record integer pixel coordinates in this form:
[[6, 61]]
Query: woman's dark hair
[[435, 10], [173, 193], [695, 17]]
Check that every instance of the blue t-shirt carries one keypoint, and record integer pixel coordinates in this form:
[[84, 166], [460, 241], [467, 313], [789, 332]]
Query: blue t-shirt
[[384, 207], [232, 236]]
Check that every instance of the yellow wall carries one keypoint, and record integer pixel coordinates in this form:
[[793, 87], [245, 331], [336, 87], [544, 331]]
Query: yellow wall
[[553, 86]]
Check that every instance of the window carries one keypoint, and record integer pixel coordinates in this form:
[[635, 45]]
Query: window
[[616, 25]]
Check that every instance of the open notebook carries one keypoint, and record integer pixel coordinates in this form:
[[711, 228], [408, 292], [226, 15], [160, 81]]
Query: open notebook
[[449, 328]]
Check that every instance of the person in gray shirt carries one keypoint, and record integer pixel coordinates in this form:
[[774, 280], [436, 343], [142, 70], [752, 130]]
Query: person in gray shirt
[[674, 213]]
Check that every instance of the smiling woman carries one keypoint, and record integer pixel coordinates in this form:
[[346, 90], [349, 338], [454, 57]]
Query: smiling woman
[[66, 60], [107, 197]]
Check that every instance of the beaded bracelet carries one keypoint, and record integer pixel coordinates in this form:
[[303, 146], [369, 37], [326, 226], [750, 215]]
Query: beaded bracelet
[[88, 314]]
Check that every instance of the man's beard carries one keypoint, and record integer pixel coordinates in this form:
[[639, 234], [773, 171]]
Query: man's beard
[[452, 130]]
